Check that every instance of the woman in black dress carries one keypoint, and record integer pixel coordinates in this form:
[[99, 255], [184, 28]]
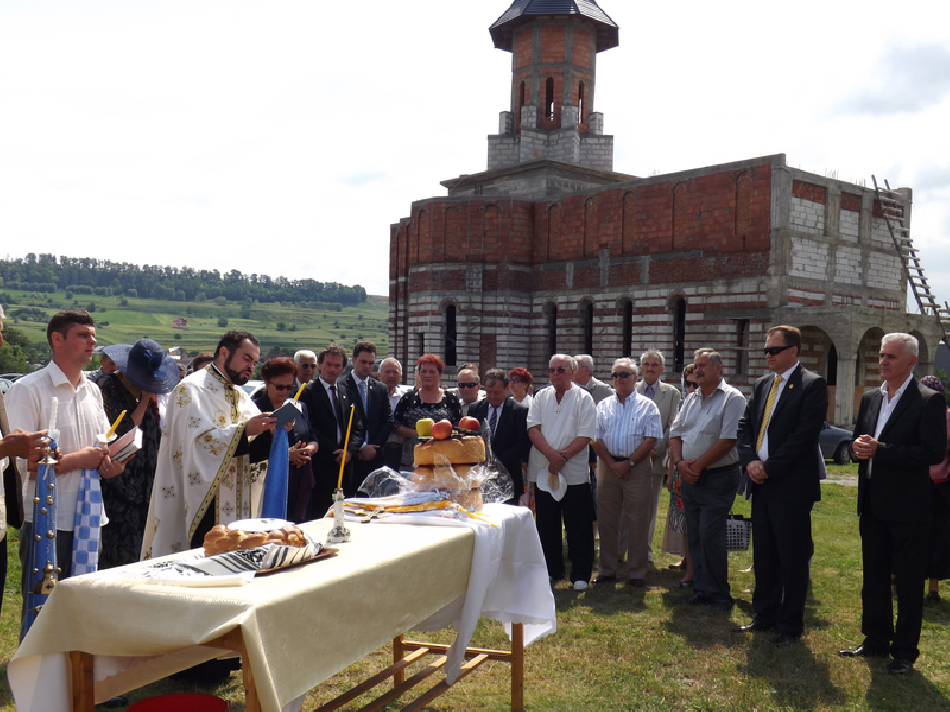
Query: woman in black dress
[[279, 376], [144, 370]]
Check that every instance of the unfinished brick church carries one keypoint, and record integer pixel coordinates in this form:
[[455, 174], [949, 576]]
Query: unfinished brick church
[[550, 250]]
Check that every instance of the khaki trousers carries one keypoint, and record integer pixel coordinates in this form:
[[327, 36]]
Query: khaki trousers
[[629, 501]]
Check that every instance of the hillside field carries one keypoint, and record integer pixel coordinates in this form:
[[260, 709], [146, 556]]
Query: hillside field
[[284, 328]]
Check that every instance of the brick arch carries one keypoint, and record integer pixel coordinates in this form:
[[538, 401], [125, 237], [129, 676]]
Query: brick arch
[[922, 348], [680, 215], [453, 240], [629, 223], [590, 228], [743, 223]]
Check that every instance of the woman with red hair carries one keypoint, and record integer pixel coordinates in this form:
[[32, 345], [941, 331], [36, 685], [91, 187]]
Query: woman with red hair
[[520, 381], [428, 401]]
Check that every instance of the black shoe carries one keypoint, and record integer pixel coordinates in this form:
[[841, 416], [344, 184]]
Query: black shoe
[[863, 651], [686, 584], [783, 639], [933, 596], [117, 702], [753, 627], [698, 599], [604, 579], [637, 583], [900, 666]]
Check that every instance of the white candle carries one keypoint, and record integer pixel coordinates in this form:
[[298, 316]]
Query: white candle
[[52, 432]]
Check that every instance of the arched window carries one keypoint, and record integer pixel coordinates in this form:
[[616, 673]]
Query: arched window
[[451, 336], [581, 118], [832, 379], [626, 332], [522, 96], [551, 318], [587, 324], [679, 334], [549, 98]]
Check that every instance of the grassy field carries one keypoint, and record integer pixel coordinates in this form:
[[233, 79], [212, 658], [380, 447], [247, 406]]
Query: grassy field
[[304, 328], [623, 648]]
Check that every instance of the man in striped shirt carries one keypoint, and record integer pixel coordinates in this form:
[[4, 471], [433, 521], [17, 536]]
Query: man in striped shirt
[[628, 427]]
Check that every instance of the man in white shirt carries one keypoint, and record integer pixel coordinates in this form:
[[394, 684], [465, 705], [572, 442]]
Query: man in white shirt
[[72, 337], [561, 422], [390, 373]]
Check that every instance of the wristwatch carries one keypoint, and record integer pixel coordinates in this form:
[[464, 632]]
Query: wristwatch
[[676, 464]]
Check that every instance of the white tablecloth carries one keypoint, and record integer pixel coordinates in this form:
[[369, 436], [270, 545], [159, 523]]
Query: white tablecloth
[[301, 625]]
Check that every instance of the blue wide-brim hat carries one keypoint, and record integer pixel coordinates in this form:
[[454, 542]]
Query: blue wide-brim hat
[[146, 365]]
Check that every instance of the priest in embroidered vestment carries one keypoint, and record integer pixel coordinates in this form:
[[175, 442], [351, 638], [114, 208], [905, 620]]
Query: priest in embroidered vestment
[[211, 435]]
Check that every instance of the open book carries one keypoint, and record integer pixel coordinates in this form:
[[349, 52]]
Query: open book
[[121, 449]]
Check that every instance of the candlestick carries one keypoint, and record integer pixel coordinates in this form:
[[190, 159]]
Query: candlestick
[[339, 484]]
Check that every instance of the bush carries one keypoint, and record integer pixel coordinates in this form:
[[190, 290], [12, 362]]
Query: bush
[[222, 320], [200, 297], [102, 323], [177, 337], [123, 302], [69, 295], [281, 326], [220, 301], [131, 293]]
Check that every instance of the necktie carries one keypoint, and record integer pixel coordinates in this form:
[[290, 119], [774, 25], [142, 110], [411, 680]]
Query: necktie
[[362, 389], [493, 422], [773, 393], [650, 391], [337, 412]]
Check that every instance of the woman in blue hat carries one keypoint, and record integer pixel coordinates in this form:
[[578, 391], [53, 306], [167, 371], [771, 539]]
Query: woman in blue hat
[[144, 371]]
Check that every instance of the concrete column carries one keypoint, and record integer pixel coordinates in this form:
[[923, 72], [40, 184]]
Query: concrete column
[[506, 123], [844, 396]]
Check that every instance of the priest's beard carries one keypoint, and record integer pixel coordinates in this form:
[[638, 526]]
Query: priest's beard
[[237, 378]]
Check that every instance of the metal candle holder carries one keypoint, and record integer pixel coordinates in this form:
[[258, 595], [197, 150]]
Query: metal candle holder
[[339, 533]]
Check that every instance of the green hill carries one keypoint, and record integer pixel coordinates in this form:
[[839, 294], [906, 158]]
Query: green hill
[[280, 327]]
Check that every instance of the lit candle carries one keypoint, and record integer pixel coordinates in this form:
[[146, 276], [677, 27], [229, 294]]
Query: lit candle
[[339, 484], [115, 425]]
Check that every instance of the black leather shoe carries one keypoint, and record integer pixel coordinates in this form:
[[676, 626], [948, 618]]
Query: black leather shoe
[[605, 579], [637, 583], [753, 627], [783, 639], [900, 666], [698, 599], [863, 651], [686, 584]]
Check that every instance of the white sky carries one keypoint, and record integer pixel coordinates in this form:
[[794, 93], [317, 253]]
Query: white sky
[[283, 138]]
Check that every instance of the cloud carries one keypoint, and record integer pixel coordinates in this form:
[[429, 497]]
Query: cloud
[[908, 79]]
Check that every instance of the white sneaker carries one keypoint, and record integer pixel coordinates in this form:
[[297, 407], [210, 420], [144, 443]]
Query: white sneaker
[[580, 585]]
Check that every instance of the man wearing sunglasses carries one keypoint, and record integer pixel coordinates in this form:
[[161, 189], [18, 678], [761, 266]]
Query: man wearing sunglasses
[[778, 444], [703, 447], [469, 389], [561, 422], [628, 428], [306, 366]]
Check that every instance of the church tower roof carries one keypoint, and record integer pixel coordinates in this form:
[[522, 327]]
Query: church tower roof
[[522, 11]]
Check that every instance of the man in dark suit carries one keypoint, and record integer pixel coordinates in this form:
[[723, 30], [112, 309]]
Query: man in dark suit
[[900, 433], [372, 408], [508, 422], [778, 444], [329, 408]]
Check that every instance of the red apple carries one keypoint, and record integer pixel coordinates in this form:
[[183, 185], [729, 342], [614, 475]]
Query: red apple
[[442, 430], [469, 423]]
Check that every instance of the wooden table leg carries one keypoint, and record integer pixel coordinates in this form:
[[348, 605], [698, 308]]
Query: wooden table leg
[[82, 686], [517, 667], [398, 654]]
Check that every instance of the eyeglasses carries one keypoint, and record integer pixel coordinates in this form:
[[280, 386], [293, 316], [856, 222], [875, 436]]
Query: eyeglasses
[[774, 350], [691, 384], [468, 385], [559, 369], [306, 365], [621, 374], [278, 387]]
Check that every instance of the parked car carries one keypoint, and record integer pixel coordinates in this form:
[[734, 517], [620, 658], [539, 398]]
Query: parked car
[[252, 385], [835, 444], [11, 376], [5, 385]]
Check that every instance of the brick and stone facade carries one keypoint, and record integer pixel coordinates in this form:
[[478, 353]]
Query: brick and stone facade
[[558, 253]]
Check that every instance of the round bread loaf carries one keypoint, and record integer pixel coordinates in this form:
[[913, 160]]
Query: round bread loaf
[[469, 449]]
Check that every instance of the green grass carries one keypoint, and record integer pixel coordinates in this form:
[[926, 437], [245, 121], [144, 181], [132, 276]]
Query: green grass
[[314, 328], [624, 648]]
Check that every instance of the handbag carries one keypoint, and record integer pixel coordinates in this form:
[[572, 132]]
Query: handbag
[[738, 532]]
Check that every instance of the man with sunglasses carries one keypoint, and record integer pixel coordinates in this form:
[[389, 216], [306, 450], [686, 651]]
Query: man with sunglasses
[[561, 422], [628, 428], [306, 366], [703, 448], [469, 389], [778, 444]]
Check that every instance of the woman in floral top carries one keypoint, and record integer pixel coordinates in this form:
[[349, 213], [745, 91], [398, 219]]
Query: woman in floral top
[[429, 401]]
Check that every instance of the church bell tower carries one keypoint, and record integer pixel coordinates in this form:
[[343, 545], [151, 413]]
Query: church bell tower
[[554, 46]]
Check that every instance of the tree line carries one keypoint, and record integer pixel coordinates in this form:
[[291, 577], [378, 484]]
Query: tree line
[[46, 274]]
